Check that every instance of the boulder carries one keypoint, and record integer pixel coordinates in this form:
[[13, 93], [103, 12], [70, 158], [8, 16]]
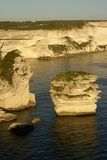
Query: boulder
[[74, 93], [7, 116], [20, 128], [35, 121], [15, 74]]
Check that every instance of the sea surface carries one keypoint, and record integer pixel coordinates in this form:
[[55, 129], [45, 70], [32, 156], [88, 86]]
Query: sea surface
[[60, 138]]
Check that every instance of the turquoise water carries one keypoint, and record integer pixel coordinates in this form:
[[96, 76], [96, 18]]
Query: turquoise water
[[60, 138]]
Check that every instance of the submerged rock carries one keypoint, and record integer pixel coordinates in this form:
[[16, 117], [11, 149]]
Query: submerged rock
[[15, 74], [20, 128], [74, 93]]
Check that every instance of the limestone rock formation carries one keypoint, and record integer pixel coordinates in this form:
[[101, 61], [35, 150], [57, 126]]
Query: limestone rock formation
[[74, 93], [5, 117], [41, 43], [15, 74]]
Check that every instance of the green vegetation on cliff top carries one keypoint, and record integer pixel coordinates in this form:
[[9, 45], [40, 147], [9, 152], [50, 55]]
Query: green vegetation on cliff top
[[68, 76], [46, 25]]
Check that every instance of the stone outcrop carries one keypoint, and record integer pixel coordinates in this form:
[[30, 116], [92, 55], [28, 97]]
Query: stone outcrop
[[91, 37], [74, 93], [21, 128], [35, 121], [15, 74], [5, 117]]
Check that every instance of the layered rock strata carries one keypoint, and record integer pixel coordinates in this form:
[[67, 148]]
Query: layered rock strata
[[15, 74], [74, 93], [41, 43], [5, 117]]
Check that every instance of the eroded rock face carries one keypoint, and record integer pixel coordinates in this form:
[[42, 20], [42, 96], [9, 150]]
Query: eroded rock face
[[43, 43], [74, 93], [15, 74]]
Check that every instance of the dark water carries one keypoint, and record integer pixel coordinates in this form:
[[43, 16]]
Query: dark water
[[60, 138]]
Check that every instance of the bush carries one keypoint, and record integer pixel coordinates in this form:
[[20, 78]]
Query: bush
[[60, 49], [68, 76], [7, 65]]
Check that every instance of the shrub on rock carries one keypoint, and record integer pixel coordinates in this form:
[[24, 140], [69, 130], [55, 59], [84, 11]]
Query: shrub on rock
[[15, 74]]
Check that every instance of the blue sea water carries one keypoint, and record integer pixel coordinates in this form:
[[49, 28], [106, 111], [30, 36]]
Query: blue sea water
[[60, 138]]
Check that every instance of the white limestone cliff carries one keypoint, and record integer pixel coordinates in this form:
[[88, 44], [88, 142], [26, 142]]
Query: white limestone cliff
[[15, 74], [91, 37], [74, 93]]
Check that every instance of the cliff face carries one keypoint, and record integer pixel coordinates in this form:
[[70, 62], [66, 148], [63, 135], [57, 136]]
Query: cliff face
[[74, 93], [54, 43], [15, 74]]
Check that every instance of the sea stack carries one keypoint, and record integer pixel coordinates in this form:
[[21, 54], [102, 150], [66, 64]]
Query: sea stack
[[15, 74], [74, 93]]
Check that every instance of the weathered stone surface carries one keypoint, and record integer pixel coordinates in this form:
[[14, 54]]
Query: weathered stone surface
[[41, 43], [7, 116], [15, 74], [2, 112], [74, 93], [20, 128]]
